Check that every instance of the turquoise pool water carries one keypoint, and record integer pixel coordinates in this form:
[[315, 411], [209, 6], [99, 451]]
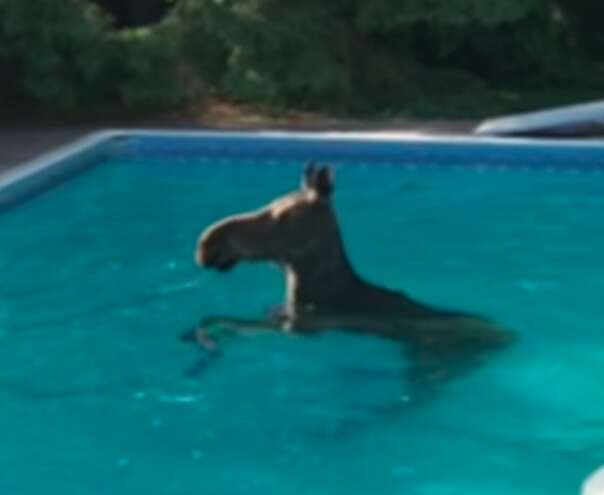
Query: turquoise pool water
[[98, 281]]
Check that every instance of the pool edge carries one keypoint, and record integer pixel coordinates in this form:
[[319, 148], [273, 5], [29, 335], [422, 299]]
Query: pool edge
[[55, 156], [70, 150]]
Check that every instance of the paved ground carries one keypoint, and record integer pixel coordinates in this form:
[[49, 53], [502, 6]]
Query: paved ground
[[21, 143]]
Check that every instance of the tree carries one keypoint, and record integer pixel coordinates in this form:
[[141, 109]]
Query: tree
[[585, 19], [129, 13]]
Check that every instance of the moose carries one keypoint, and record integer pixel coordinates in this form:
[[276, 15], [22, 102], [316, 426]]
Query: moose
[[300, 232]]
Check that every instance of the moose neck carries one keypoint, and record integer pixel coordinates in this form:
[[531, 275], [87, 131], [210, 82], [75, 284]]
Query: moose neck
[[321, 276]]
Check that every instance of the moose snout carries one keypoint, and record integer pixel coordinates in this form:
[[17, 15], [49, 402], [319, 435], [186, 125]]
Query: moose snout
[[206, 250], [214, 251], [201, 253]]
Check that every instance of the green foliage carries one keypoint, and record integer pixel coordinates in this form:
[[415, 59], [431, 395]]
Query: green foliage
[[355, 55], [242, 51], [144, 69], [339, 55], [388, 15], [52, 46], [584, 18], [63, 53]]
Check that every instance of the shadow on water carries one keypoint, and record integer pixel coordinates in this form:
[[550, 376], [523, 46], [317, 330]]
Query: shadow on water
[[423, 380]]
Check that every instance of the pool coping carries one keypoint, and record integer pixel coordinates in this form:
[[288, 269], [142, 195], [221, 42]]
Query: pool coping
[[46, 161]]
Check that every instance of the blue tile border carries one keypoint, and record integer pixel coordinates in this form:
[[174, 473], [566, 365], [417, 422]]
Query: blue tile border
[[487, 153], [54, 168]]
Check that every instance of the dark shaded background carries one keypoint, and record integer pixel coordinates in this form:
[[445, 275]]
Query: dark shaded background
[[445, 58]]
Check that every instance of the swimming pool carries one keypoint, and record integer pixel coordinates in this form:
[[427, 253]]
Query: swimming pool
[[99, 281]]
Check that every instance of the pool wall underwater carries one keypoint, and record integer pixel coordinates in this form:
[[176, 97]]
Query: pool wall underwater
[[51, 169]]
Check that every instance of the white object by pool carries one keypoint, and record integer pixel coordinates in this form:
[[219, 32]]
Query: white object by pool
[[594, 485], [574, 120]]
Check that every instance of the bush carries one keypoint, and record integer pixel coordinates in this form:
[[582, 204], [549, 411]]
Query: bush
[[338, 55], [360, 56], [52, 47], [64, 53], [143, 69]]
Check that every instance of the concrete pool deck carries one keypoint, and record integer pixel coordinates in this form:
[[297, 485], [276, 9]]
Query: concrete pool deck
[[20, 144]]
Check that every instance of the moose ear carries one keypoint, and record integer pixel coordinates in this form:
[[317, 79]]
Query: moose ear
[[319, 179], [324, 181]]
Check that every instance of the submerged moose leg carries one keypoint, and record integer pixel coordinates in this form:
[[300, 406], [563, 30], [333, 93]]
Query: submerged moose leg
[[431, 365], [448, 349], [429, 370], [201, 334]]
